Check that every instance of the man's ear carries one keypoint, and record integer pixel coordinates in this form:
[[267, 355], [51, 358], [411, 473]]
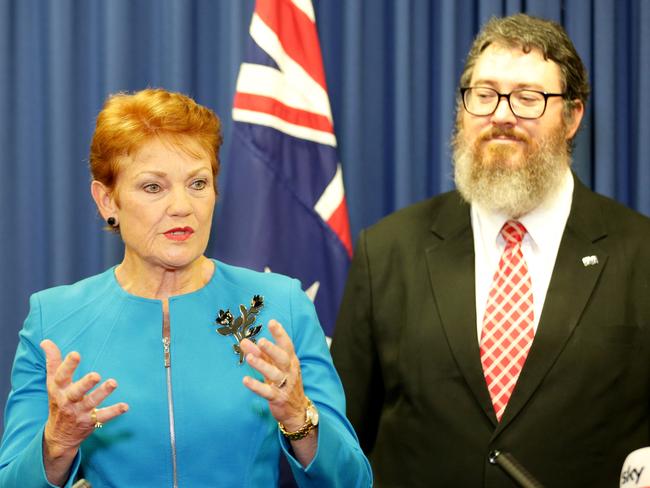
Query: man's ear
[[573, 124], [104, 199]]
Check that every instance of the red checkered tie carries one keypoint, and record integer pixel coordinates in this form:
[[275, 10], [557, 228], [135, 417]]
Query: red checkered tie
[[508, 322]]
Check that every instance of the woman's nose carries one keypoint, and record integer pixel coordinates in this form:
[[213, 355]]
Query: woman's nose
[[180, 203]]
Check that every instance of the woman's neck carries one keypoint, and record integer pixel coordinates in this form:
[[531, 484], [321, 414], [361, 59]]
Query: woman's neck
[[149, 281]]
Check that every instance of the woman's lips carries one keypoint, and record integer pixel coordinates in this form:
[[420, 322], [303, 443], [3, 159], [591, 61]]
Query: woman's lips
[[179, 233]]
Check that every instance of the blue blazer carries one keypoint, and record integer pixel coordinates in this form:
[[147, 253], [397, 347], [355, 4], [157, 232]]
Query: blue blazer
[[225, 434]]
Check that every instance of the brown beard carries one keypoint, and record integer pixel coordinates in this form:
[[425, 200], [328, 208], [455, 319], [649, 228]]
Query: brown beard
[[486, 176]]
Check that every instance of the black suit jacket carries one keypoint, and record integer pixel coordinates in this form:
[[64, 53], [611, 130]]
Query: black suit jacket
[[407, 351]]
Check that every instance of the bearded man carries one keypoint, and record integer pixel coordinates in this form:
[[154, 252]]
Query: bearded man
[[510, 316]]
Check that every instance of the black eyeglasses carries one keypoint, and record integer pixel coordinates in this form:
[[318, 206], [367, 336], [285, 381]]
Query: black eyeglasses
[[525, 104]]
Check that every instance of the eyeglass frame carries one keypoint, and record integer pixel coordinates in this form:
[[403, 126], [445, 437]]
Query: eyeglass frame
[[546, 96]]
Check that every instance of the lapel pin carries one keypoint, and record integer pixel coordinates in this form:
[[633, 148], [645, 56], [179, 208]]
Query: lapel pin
[[242, 327], [589, 260]]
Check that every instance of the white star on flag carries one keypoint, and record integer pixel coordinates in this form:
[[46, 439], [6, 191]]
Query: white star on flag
[[311, 293]]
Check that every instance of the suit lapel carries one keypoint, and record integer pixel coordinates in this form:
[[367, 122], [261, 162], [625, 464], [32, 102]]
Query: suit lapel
[[451, 270], [572, 283]]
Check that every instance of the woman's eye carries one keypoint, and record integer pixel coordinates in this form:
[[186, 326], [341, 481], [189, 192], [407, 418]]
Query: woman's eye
[[152, 188], [199, 184]]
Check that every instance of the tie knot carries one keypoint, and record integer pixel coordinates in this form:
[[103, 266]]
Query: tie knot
[[513, 232]]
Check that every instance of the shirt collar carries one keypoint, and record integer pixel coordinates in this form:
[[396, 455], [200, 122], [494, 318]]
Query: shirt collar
[[544, 224]]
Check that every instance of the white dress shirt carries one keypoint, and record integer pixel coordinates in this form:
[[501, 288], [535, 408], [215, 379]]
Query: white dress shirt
[[545, 226]]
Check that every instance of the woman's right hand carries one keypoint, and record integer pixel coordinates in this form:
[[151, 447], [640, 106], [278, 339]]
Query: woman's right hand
[[71, 406]]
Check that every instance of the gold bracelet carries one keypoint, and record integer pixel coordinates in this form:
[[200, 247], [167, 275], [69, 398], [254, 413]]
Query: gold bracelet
[[311, 421]]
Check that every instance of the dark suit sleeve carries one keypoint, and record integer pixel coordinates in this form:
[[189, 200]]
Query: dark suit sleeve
[[354, 350]]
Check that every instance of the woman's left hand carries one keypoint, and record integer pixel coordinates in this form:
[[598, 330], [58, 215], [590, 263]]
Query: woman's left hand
[[282, 385]]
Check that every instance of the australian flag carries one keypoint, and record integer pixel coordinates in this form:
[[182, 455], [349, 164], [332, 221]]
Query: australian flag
[[283, 194]]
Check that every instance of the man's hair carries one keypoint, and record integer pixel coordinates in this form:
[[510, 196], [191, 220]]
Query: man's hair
[[128, 121], [526, 32]]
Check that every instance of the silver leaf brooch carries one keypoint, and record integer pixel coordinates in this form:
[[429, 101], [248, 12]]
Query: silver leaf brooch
[[243, 327]]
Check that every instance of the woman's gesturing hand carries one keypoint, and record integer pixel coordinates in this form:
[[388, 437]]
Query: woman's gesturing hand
[[73, 411], [282, 385]]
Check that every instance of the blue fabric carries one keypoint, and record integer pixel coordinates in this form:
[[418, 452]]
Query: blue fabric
[[225, 434], [392, 69], [268, 206], [278, 175]]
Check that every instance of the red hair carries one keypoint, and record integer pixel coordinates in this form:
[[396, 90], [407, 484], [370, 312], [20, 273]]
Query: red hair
[[128, 121]]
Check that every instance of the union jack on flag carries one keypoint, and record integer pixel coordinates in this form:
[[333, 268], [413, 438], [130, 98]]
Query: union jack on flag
[[283, 191]]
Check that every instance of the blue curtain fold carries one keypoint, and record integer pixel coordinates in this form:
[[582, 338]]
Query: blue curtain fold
[[392, 71]]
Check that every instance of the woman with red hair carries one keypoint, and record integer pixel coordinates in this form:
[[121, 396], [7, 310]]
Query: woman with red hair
[[194, 395]]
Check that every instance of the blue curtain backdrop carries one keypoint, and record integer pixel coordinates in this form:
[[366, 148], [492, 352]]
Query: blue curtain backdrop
[[392, 69]]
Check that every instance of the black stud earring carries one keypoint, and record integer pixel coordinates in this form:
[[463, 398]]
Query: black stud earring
[[111, 221]]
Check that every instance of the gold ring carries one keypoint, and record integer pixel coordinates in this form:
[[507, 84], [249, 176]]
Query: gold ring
[[93, 419], [283, 382]]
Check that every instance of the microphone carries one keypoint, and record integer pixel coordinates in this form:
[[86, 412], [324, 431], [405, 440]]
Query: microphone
[[516, 471], [636, 469]]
